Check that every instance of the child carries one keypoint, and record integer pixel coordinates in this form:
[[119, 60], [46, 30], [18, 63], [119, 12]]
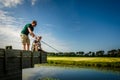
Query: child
[[36, 45]]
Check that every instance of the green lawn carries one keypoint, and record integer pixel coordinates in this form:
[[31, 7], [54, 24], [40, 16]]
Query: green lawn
[[110, 62], [85, 59]]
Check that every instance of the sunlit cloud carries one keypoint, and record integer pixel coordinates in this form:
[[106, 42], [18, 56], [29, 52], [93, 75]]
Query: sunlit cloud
[[9, 32], [5, 19], [10, 3], [33, 2], [9, 36]]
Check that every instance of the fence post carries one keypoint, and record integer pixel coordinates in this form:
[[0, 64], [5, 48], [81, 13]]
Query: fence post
[[5, 61], [40, 56], [32, 60], [8, 47], [21, 59]]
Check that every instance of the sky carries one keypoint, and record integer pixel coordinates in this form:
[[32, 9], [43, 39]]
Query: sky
[[67, 25]]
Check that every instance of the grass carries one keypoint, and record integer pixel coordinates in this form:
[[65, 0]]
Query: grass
[[85, 59], [110, 62], [48, 79]]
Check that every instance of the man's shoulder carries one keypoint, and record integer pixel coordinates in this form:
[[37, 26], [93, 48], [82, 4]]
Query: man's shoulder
[[27, 25]]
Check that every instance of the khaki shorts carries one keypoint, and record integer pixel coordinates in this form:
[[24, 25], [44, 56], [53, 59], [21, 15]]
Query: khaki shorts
[[25, 39]]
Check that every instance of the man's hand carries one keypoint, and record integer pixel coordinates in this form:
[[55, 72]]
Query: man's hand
[[35, 37]]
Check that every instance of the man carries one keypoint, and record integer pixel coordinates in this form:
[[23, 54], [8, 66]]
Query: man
[[28, 29]]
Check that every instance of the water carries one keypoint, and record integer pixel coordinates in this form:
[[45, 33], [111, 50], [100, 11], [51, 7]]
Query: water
[[67, 73]]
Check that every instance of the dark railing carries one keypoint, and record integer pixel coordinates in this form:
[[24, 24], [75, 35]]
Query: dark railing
[[13, 61]]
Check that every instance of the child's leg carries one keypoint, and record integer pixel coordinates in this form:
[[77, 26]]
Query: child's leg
[[33, 47], [36, 48]]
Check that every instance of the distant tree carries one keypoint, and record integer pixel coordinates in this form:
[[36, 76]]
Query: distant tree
[[51, 54], [88, 54], [93, 54], [100, 53], [72, 54], [118, 53], [80, 53], [60, 54], [66, 54], [112, 53]]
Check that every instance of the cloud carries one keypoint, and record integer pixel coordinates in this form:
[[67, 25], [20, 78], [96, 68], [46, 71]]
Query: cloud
[[9, 32], [13, 3], [10, 3], [5, 18], [9, 36], [33, 2]]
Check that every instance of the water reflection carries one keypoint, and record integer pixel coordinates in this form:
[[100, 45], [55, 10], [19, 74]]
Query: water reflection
[[67, 73]]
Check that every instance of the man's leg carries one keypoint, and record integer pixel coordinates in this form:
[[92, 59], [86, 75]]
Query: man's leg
[[24, 47], [27, 46], [24, 41], [28, 43]]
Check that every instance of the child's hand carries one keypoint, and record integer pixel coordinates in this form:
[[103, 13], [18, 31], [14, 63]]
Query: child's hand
[[35, 37]]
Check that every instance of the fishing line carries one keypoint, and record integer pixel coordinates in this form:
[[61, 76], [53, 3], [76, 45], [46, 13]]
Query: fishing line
[[50, 46]]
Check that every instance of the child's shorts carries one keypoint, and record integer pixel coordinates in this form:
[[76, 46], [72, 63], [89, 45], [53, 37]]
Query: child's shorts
[[25, 39]]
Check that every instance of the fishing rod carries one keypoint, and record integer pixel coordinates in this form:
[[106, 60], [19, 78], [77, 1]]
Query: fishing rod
[[50, 46]]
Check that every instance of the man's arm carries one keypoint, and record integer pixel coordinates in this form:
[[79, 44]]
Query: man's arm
[[31, 32]]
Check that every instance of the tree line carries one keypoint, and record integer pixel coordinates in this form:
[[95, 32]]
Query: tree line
[[100, 53]]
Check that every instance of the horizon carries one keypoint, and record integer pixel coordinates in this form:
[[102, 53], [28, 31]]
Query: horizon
[[66, 25]]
